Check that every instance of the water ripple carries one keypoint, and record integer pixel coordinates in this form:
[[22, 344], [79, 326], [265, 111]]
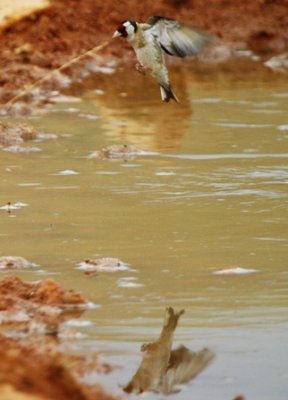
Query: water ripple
[[226, 156]]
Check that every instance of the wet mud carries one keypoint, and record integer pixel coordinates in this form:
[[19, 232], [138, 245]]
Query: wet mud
[[30, 314], [40, 306], [43, 371]]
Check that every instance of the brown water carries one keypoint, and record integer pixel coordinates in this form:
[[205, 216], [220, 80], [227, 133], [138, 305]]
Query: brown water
[[209, 194]]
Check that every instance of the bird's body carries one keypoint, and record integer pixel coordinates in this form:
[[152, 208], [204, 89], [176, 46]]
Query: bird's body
[[158, 35], [151, 58]]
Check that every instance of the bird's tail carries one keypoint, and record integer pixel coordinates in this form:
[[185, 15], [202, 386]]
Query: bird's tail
[[167, 94]]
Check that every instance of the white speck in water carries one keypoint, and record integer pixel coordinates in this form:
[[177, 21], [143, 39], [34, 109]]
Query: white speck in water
[[282, 127], [283, 95], [65, 99], [89, 116], [129, 282], [130, 165], [162, 173], [207, 100], [70, 110], [15, 206], [107, 173], [72, 335], [265, 111], [22, 149], [235, 271], [19, 204], [241, 125], [78, 323], [91, 306], [66, 172], [118, 123], [116, 296], [28, 184], [46, 273], [266, 103], [46, 136]]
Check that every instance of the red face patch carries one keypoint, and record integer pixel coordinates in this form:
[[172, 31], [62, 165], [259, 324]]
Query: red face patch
[[121, 29]]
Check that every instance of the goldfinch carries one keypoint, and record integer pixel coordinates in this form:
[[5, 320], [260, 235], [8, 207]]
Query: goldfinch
[[158, 35]]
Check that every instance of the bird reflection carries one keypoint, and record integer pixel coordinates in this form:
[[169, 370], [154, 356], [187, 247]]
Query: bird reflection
[[161, 367], [135, 115]]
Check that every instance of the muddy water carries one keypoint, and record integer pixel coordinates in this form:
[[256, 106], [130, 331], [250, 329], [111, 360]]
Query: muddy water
[[209, 194]]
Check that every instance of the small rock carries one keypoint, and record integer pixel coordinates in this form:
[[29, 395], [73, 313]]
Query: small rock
[[13, 262], [12, 136], [116, 151], [278, 63], [105, 264]]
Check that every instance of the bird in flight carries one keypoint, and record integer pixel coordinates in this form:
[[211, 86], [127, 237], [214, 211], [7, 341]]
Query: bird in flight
[[158, 35]]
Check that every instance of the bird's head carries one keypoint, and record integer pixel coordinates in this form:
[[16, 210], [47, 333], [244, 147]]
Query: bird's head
[[126, 29]]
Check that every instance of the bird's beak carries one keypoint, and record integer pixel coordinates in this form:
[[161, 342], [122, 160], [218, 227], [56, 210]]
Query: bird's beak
[[116, 34]]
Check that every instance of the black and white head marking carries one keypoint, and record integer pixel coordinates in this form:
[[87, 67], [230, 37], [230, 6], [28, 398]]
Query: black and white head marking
[[131, 27], [127, 28]]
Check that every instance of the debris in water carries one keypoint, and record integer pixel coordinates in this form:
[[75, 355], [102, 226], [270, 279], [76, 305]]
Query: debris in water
[[12, 136], [10, 207], [14, 262], [105, 264], [116, 152], [161, 367]]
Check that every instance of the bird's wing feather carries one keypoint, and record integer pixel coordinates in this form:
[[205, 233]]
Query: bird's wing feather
[[184, 365], [178, 39]]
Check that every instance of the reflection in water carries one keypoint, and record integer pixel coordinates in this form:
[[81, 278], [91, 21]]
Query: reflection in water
[[153, 125], [161, 367]]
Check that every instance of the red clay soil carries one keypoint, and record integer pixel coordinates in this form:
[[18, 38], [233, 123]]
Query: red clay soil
[[67, 28], [37, 307], [45, 292], [31, 370], [32, 362]]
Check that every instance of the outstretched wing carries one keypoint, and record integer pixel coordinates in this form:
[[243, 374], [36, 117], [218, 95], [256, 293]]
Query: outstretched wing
[[178, 39], [184, 365]]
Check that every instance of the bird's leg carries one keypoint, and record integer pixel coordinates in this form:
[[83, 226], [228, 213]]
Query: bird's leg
[[140, 68]]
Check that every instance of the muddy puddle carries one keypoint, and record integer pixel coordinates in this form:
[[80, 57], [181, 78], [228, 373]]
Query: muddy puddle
[[198, 217]]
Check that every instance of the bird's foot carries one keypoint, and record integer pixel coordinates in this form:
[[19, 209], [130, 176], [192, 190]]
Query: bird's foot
[[140, 68]]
